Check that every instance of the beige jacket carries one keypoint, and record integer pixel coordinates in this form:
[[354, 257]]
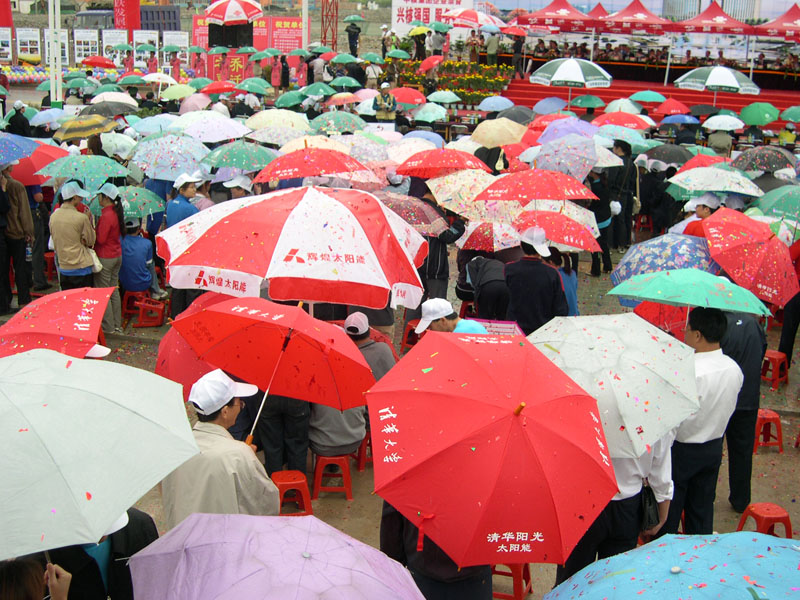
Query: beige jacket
[[20, 220], [73, 235], [225, 478]]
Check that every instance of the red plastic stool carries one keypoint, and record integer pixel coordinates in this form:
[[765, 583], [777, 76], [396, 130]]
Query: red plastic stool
[[521, 576], [129, 300], [363, 455], [343, 462], [766, 419], [643, 223], [50, 262], [467, 309], [767, 515], [151, 313], [775, 319], [286, 481], [405, 343], [775, 362]]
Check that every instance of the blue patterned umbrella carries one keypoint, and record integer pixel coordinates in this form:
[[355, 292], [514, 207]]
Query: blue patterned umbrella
[[663, 253], [13, 147]]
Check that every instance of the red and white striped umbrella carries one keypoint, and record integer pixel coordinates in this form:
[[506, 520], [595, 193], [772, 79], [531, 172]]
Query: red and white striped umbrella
[[467, 17], [313, 244], [233, 12]]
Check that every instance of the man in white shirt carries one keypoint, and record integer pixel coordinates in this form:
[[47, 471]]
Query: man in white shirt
[[226, 477], [697, 451]]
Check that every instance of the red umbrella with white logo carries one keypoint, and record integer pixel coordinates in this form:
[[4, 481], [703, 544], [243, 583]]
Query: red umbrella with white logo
[[437, 163], [313, 244], [233, 12]]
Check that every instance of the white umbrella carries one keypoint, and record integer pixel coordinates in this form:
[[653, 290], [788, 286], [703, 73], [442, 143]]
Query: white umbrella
[[186, 119], [117, 143], [401, 151], [217, 130], [464, 143], [82, 441], [623, 105], [160, 78], [366, 108], [723, 123], [712, 179], [278, 116], [643, 378], [115, 97]]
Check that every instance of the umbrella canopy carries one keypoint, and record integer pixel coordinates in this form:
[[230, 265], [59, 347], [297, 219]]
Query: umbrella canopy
[[587, 101], [318, 88], [791, 114], [430, 112], [343, 59], [764, 158], [298, 557], [398, 53], [752, 255], [552, 104], [423, 217], [91, 170], [671, 319], [759, 113], [118, 97], [217, 130], [625, 105], [563, 127], [780, 202], [43, 155], [432, 442], [337, 122], [240, 155], [289, 352], [519, 114], [495, 103], [200, 82], [713, 179], [723, 123], [344, 81], [429, 136], [14, 147], [130, 80], [363, 149], [160, 78], [670, 106], [673, 564], [314, 141], [572, 154], [275, 135], [283, 118], [571, 72], [690, 287], [117, 144], [439, 162], [642, 378], [67, 322], [312, 162], [82, 127], [76, 462], [233, 12], [219, 87], [178, 92], [183, 121], [498, 132], [409, 96], [467, 17], [289, 99], [137, 202], [108, 109], [154, 124], [621, 119], [315, 244], [702, 160], [559, 229], [669, 154], [647, 96], [456, 191], [404, 149], [443, 97], [169, 155], [47, 117], [488, 237], [717, 79]]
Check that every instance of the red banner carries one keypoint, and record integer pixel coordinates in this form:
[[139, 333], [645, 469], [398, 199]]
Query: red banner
[[127, 16], [6, 18]]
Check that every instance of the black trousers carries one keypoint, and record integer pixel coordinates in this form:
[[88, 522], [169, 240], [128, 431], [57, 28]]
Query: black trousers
[[16, 253], [740, 436], [5, 284], [791, 321], [473, 588], [493, 301], [283, 432], [181, 299], [622, 223], [71, 282], [615, 530], [694, 472], [40, 232], [605, 253]]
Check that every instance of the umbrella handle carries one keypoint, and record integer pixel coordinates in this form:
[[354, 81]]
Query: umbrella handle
[[249, 438]]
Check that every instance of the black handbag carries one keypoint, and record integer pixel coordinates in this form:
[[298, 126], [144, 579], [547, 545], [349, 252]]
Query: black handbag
[[649, 507]]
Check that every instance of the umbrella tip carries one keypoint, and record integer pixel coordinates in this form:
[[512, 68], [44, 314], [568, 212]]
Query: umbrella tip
[[519, 408]]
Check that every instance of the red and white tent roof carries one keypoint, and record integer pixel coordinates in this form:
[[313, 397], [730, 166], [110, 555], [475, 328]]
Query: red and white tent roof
[[713, 20], [233, 12], [561, 14], [786, 26], [598, 11], [634, 17]]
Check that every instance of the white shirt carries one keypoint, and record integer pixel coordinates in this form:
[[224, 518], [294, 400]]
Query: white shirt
[[719, 380], [655, 465]]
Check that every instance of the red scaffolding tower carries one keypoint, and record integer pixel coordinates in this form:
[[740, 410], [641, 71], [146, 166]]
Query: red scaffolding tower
[[330, 23]]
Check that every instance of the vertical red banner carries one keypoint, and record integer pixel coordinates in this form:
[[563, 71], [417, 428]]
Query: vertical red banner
[[6, 18], [127, 16]]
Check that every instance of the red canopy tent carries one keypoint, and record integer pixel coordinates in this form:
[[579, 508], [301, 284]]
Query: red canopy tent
[[561, 14], [635, 17], [713, 20], [786, 26], [598, 11]]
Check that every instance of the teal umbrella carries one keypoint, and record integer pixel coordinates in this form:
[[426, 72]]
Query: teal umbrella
[[402, 54], [44, 86], [78, 82], [137, 202], [587, 101], [246, 156], [318, 89], [74, 75], [337, 122], [146, 48], [343, 59], [373, 57], [344, 82], [200, 82], [690, 287], [321, 50], [91, 170], [431, 112], [108, 87], [196, 50], [246, 50], [169, 48], [417, 23], [444, 97], [780, 202], [132, 80], [647, 96], [759, 113], [617, 132], [439, 26], [300, 52], [219, 50], [289, 99], [123, 47], [354, 19], [256, 85], [790, 114]]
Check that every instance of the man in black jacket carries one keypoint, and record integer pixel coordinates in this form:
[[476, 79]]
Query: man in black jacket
[[110, 554], [621, 185], [5, 289], [745, 342], [18, 122]]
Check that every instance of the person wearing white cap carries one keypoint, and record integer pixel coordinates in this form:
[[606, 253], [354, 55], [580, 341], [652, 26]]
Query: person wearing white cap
[[138, 272], [180, 207], [18, 123], [73, 234], [705, 206], [438, 315], [19, 231], [240, 186], [226, 477], [536, 293], [385, 105]]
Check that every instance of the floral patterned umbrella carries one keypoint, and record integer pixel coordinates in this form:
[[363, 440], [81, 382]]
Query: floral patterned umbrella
[[337, 122], [275, 135], [456, 191], [169, 155], [314, 141], [423, 217], [573, 155], [137, 202], [217, 130], [241, 155], [488, 236], [362, 149], [93, 171], [404, 149], [764, 158], [715, 179], [280, 117]]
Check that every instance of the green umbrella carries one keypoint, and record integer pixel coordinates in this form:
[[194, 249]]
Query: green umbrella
[[78, 82], [196, 50], [92, 170], [246, 50], [791, 114], [137, 202], [132, 80], [256, 85], [647, 96], [588, 101], [246, 156], [108, 87], [695, 149], [690, 287], [717, 79], [397, 53], [373, 57], [171, 48], [343, 59], [439, 26], [780, 202], [300, 52], [759, 113], [44, 86], [571, 72], [29, 113], [318, 88], [729, 112], [219, 50], [417, 23], [373, 138], [3, 91], [337, 122], [354, 19], [431, 112], [146, 48], [289, 99], [321, 50], [74, 75], [123, 47], [200, 82], [444, 97], [177, 92], [344, 82]]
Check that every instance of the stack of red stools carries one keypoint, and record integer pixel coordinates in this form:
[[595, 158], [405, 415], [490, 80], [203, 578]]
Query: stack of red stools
[[767, 516]]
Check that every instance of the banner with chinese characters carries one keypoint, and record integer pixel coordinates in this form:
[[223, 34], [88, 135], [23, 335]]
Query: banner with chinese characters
[[86, 44], [5, 45], [406, 11], [286, 33], [127, 15], [64, 46], [111, 38]]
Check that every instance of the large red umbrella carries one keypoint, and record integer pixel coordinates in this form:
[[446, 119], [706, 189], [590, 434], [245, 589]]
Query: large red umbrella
[[541, 122], [311, 162], [484, 464], [439, 162], [67, 322], [621, 119], [406, 95], [219, 87], [99, 61], [25, 171], [313, 244], [429, 63], [667, 317], [423, 217], [702, 160], [752, 255], [560, 229], [670, 106]]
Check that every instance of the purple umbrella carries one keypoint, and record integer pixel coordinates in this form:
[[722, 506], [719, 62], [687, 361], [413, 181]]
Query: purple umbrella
[[563, 127], [270, 558]]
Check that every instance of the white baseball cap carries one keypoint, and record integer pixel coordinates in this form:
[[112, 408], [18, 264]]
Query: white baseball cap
[[709, 199], [184, 179], [71, 189], [240, 181], [20, 105], [215, 389], [356, 324], [110, 190], [435, 308], [536, 237], [384, 26], [385, 85]]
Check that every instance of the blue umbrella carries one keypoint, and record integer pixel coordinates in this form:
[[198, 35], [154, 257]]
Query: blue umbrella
[[45, 117], [546, 106], [495, 103], [663, 253], [427, 135], [743, 564], [562, 127], [13, 147], [154, 124], [490, 29], [688, 119]]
